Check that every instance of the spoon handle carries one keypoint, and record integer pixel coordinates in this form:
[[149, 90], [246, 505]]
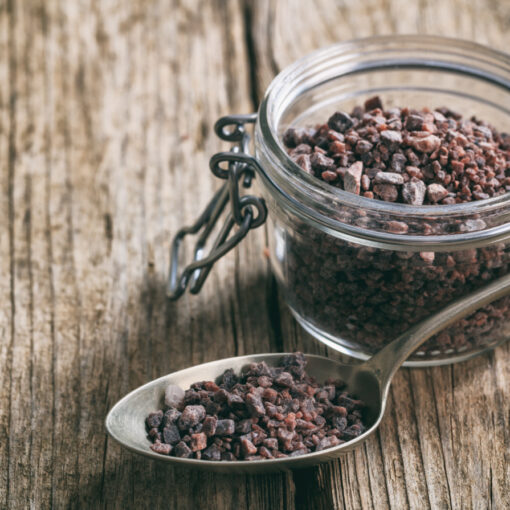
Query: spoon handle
[[387, 361]]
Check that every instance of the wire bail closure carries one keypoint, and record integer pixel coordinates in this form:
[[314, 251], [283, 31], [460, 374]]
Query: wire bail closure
[[246, 211]]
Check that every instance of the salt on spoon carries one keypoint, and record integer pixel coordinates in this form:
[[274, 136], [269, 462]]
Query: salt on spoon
[[173, 395]]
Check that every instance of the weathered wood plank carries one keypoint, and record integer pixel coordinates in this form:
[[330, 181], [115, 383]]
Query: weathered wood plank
[[22, 339], [444, 441], [7, 133]]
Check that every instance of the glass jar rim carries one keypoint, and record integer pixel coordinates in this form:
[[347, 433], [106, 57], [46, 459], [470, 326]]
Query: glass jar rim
[[470, 58]]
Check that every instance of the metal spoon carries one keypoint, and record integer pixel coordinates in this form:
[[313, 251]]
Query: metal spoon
[[369, 381]]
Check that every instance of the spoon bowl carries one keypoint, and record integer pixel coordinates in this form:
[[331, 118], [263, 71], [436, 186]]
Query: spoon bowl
[[368, 381]]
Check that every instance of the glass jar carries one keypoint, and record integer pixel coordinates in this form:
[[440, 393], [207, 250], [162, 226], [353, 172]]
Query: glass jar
[[357, 272]]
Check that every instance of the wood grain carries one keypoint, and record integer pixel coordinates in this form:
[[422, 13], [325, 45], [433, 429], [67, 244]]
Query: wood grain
[[106, 114]]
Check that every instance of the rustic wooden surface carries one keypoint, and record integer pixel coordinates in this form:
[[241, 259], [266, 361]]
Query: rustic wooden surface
[[106, 109]]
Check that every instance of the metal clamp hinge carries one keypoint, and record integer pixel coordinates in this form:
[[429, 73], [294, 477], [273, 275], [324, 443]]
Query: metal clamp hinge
[[246, 211]]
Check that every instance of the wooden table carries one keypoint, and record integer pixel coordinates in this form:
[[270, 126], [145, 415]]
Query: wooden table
[[106, 114]]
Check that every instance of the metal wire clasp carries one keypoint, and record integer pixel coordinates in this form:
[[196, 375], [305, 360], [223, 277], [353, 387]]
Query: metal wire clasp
[[246, 211]]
